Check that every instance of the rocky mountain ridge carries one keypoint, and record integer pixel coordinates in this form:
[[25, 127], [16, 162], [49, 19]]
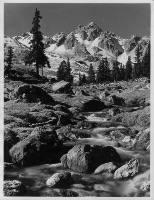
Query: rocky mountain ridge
[[87, 44]]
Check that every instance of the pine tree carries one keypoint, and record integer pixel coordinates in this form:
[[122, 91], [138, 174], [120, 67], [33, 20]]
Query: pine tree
[[84, 79], [115, 71], [64, 72], [9, 62], [37, 54], [61, 72], [146, 62], [133, 73], [68, 76], [91, 74], [137, 70], [100, 72], [80, 79], [26, 58], [122, 72], [106, 70], [128, 74]]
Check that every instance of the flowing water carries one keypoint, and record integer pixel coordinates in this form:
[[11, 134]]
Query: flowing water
[[103, 185]]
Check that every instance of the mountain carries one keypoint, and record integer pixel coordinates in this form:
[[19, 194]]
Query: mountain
[[87, 44]]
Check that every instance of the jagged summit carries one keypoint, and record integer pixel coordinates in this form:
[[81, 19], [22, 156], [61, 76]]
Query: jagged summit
[[88, 43], [26, 34], [92, 25]]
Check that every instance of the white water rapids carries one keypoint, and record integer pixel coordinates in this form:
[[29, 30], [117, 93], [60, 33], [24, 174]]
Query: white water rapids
[[103, 185]]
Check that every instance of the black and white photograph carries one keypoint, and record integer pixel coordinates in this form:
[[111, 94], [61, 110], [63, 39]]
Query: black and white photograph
[[76, 86]]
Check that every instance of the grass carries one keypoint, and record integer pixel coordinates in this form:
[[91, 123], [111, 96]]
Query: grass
[[139, 118], [21, 114]]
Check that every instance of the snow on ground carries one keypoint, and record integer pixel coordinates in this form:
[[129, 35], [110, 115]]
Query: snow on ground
[[25, 41], [92, 44], [51, 48], [77, 36], [60, 50], [123, 58]]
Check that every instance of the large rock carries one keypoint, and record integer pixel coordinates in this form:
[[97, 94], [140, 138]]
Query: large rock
[[117, 100], [31, 93], [113, 111], [127, 170], [63, 118], [10, 139], [92, 105], [64, 133], [143, 140], [60, 179], [145, 186], [40, 146], [103, 95], [14, 188], [62, 87], [68, 193], [9, 166], [86, 158], [107, 167]]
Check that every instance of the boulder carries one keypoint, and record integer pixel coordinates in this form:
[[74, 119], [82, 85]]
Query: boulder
[[64, 160], [86, 158], [60, 179], [117, 100], [63, 118], [10, 139], [143, 140], [127, 170], [145, 186], [68, 193], [14, 188], [107, 167], [9, 166], [31, 93], [113, 111], [62, 87], [104, 95], [92, 105], [64, 133], [74, 110], [40, 146]]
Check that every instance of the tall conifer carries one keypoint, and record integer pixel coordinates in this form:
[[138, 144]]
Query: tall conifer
[[146, 62], [128, 74], [37, 54], [91, 74], [9, 62]]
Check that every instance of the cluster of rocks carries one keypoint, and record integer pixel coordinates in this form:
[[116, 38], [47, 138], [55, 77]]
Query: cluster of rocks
[[14, 188], [86, 158], [31, 93], [46, 142]]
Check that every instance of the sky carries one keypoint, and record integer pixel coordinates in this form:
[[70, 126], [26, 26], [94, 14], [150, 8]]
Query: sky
[[122, 19]]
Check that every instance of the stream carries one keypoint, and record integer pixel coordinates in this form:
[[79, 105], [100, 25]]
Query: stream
[[100, 185]]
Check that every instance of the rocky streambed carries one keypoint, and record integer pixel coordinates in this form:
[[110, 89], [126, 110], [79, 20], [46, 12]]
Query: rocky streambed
[[98, 148], [102, 182]]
